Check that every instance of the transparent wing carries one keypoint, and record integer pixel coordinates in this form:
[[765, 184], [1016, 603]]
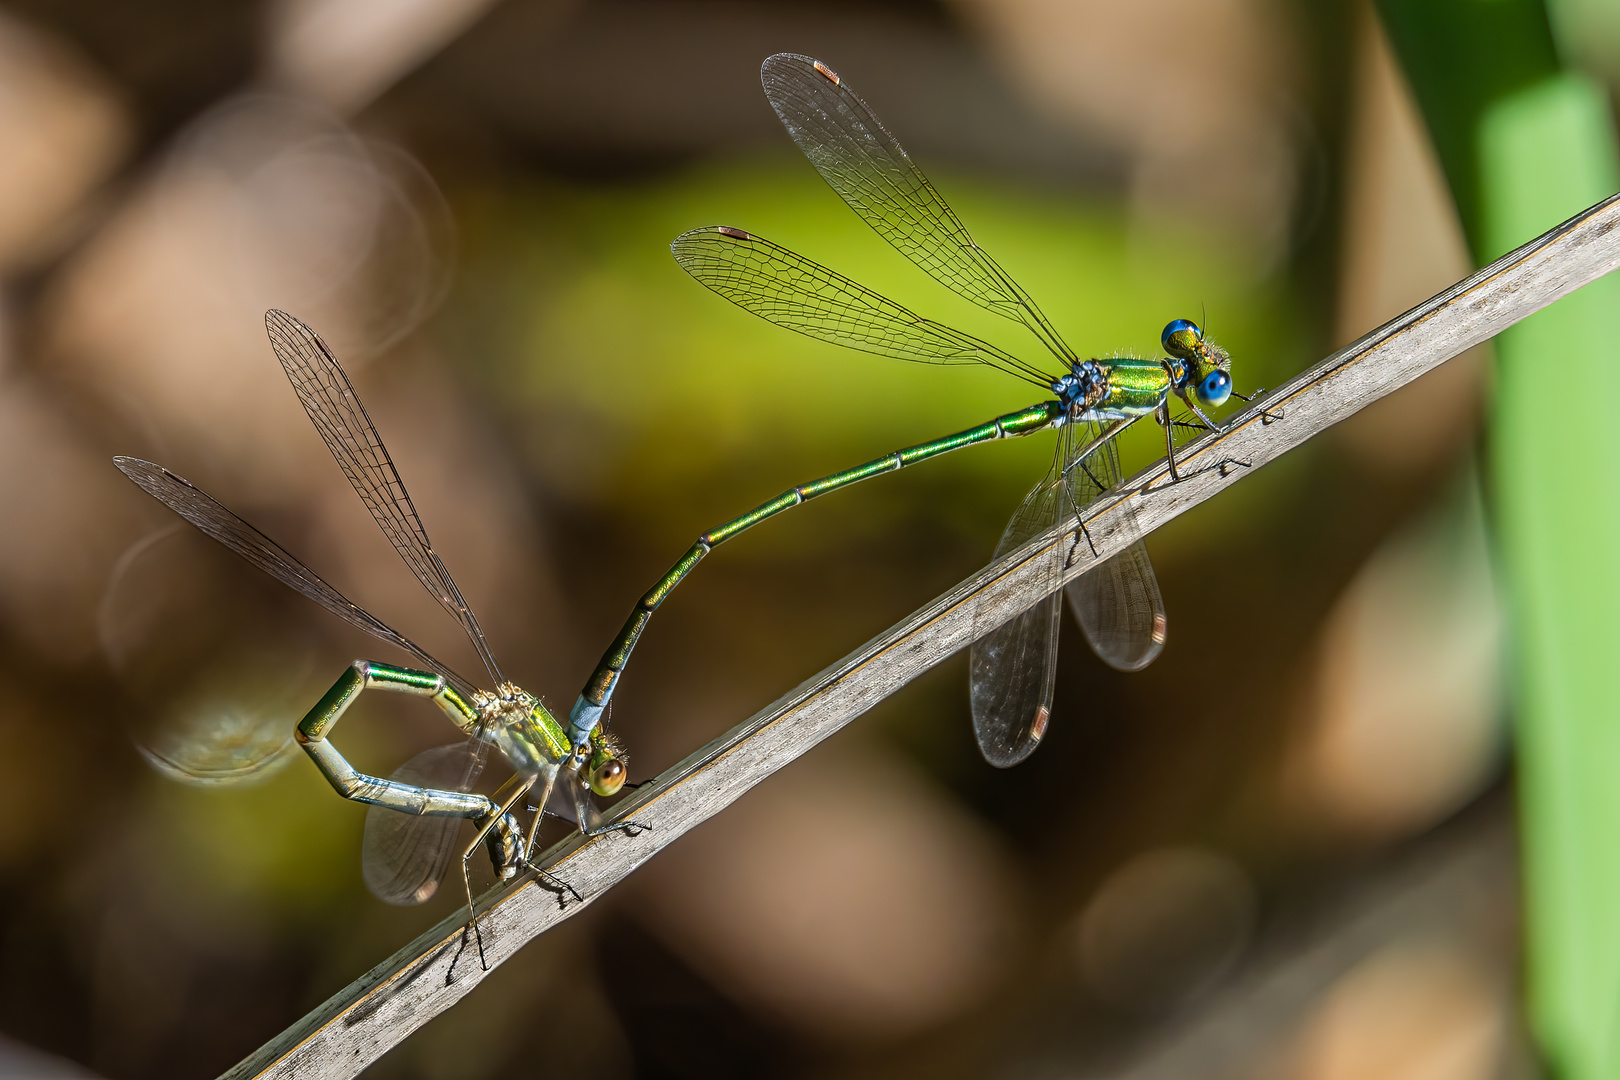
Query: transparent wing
[[1012, 669], [859, 159], [1118, 604], [402, 856], [335, 410], [571, 800], [784, 287], [197, 507]]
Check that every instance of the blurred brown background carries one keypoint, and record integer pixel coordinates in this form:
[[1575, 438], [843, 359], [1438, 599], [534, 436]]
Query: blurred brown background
[[1284, 851]]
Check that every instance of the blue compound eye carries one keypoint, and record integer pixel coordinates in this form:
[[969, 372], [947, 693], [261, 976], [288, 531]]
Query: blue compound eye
[[1215, 389], [1180, 337]]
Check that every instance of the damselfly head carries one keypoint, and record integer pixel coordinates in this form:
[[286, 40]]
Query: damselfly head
[[608, 765], [1204, 366]]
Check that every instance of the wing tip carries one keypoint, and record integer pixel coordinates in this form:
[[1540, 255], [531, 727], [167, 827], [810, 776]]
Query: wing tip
[[278, 321], [292, 339], [145, 473], [1002, 756], [786, 59], [130, 466], [282, 325], [678, 245], [792, 59]]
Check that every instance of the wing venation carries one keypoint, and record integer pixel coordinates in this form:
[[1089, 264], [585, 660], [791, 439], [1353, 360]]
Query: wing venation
[[796, 293], [866, 165], [213, 519], [326, 393]]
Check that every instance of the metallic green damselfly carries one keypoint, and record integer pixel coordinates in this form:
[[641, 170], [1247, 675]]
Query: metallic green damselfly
[[416, 814], [1118, 606]]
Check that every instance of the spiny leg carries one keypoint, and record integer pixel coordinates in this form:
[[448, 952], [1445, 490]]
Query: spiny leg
[[590, 819], [1223, 466], [1084, 531], [629, 828], [540, 812], [1082, 461], [558, 885], [520, 787], [1063, 465], [1163, 417], [1210, 425], [584, 813], [1266, 415], [1066, 495]]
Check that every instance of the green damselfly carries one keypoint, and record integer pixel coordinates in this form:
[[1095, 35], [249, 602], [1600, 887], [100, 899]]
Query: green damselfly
[[416, 813], [1118, 606]]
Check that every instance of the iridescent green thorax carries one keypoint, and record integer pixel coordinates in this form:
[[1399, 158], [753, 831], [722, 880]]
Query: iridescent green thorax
[[526, 732], [1135, 387]]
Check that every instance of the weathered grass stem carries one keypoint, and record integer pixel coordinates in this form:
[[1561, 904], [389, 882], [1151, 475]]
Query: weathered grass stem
[[432, 973]]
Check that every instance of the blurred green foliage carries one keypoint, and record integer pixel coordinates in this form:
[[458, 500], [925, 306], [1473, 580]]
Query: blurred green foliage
[[1461, 58], [1526, 146], [1549, 152]]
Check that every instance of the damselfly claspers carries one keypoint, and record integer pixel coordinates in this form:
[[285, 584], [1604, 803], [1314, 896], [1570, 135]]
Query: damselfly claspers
[[1118, 606], [412, 829]]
